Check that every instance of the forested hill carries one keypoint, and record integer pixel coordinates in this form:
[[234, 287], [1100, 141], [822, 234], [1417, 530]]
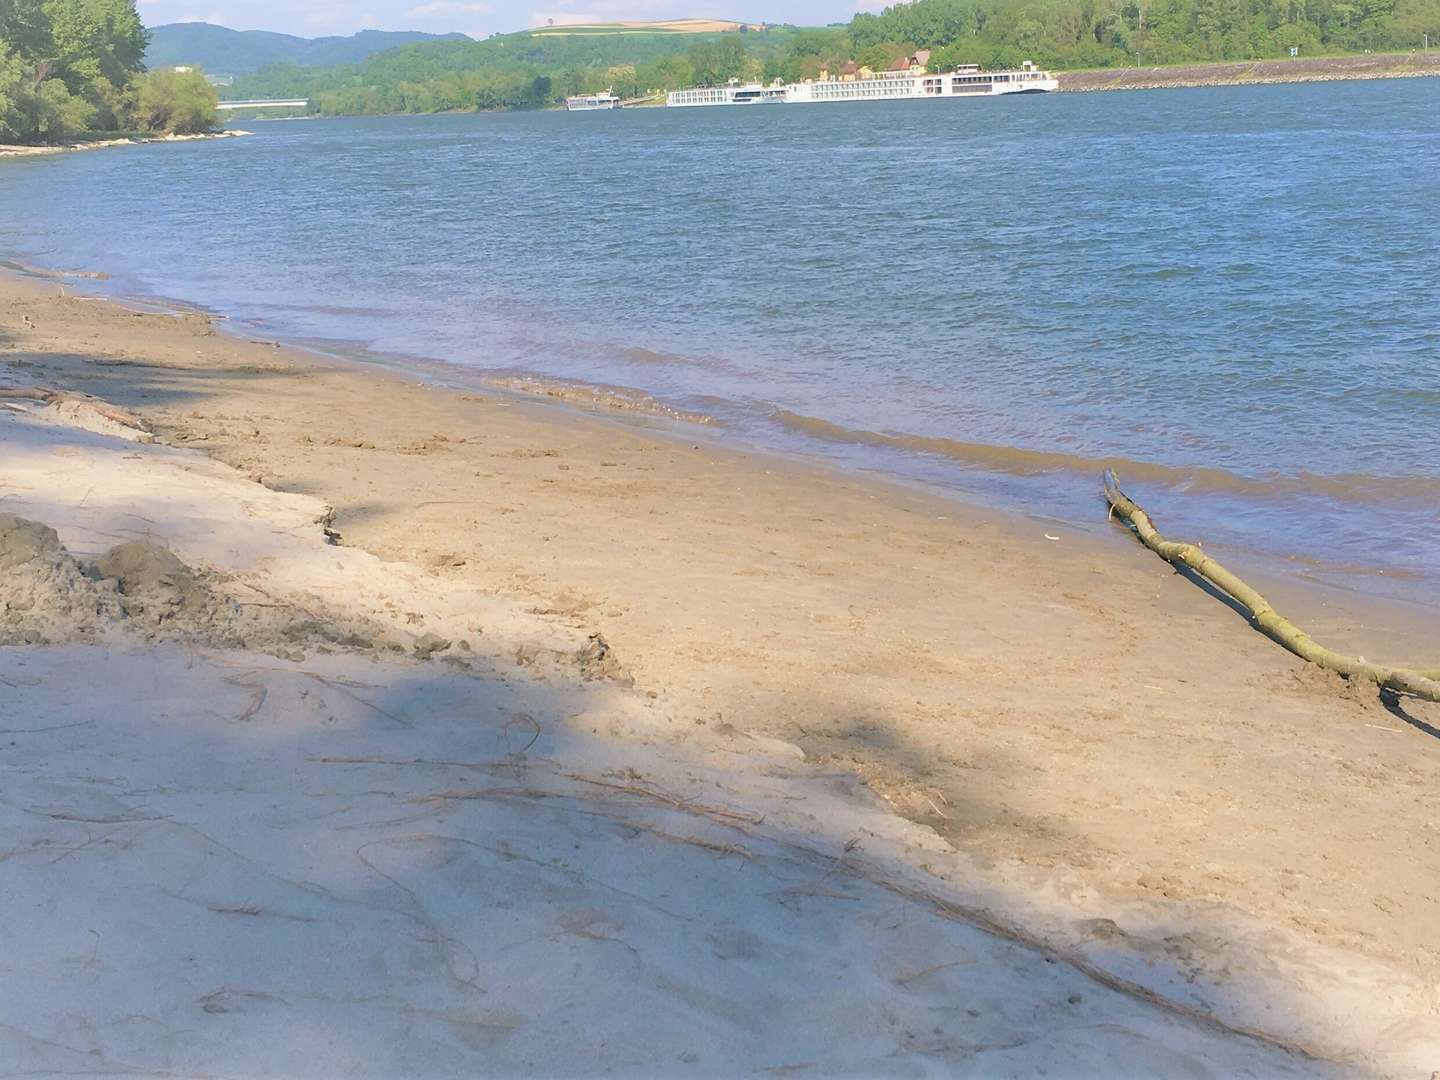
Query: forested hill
[[527, 69], [222, 51], [537, 68]]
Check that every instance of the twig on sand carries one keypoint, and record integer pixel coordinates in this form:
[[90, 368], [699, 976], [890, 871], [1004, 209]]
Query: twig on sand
[[520, 718], [38, 730], [695, 841], [676, 801], [257, 700], [1264, 617], [901, 980], [993, 922], [276, 601], [477, 766], [358, 699]]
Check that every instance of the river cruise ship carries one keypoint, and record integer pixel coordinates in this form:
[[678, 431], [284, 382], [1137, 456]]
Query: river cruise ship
[[587, 102], [913, 83]]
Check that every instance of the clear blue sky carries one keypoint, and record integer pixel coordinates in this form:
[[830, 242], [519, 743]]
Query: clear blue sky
[[314, 18]]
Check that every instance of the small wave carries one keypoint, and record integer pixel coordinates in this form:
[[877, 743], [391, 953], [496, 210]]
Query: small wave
[[620, 398], [41, 272], [637, 355], [1018, 461]]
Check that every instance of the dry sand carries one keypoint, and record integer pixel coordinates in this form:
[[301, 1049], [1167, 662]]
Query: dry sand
[[591, 746]]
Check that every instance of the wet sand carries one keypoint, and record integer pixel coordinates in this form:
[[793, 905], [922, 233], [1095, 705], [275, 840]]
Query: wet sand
[[1105, 753]]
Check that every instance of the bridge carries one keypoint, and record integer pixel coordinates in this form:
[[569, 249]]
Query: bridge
[[272, 103]]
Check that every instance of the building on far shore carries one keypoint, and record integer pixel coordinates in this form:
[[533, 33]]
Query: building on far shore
[[914, 64]]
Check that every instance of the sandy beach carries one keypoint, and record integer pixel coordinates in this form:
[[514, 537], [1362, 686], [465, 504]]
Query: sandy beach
[[471, 730]]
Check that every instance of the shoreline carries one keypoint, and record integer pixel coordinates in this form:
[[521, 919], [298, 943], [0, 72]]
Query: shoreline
[[77, 145], [1253, 72], [1304, 584], [1077, 737], [1343, 68]]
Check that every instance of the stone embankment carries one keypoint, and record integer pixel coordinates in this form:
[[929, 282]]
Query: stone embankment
[[1248, 72]]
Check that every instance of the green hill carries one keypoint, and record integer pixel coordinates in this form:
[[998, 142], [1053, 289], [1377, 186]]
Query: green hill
[[222, 51], [528, 69]]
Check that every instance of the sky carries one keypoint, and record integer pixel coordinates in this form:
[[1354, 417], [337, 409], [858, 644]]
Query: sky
[[478, 18]]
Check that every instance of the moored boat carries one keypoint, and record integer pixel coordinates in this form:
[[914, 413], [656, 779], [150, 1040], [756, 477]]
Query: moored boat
[[860, 84], [588, 102]]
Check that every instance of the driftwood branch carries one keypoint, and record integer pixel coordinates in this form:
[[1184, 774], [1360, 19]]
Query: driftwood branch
[[1422, 684], [47, 396]]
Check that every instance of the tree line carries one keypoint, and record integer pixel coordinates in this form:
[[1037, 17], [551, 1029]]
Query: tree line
[[1117, 33], [76, 67]]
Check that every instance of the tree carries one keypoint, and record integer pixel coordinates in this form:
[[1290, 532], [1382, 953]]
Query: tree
[[56, 113], [715, 62], [24, 28], [178, 102], [67, 66], [94, 40], [13, 124]]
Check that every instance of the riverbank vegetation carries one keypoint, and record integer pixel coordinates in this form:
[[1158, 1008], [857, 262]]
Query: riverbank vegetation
[[75, 68], [538, 68]]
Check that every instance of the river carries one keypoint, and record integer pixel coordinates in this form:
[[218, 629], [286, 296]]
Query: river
[[1232, 294]]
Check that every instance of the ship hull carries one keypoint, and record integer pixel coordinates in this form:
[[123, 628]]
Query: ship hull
[[591, 104]]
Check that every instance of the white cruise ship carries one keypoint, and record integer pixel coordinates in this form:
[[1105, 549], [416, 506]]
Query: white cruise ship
[[586, 102], [862, 85]]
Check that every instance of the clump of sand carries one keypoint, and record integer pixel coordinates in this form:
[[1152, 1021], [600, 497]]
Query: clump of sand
[[159, 590], [140, 589], [45, 596], [597, 661]]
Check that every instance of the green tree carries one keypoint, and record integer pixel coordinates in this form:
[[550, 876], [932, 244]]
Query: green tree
[[24, 29], [67, 65], [13, 121], [178, 102], [56, 113], [94, 40], [719, 60]]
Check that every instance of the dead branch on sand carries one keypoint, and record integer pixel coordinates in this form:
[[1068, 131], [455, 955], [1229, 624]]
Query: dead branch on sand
[[1264, 617], [46, 396]]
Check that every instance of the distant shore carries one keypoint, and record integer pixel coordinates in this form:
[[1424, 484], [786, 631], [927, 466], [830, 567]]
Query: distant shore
[[69, 145], [1251, 72]]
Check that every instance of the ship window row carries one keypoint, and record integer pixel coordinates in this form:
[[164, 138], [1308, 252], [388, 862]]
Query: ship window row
[[860, 89]]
